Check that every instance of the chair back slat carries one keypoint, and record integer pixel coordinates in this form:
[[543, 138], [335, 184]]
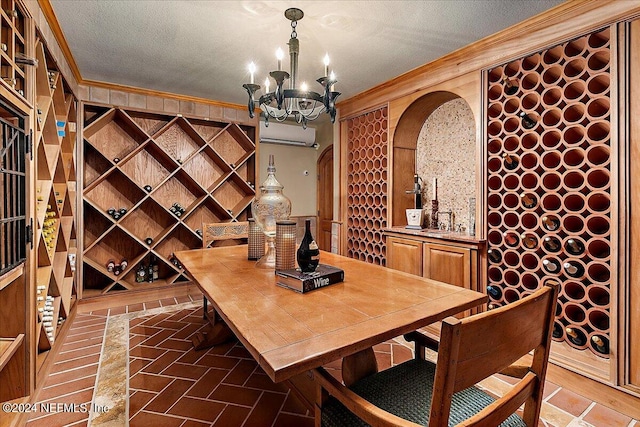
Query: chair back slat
[[477, 347], [220, 231], [497, 338]]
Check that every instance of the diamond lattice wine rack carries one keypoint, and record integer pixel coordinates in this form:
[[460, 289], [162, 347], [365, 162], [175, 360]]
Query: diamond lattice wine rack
[[549, 185], [150, 182]]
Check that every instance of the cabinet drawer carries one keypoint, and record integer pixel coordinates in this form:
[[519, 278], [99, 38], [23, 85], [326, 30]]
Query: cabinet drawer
[[404, 255]]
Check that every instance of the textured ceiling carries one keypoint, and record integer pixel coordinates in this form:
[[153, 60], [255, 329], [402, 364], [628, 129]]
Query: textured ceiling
[[202, 48]]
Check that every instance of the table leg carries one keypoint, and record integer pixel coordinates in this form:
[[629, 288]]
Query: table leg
[[215, 335], [358, 365]]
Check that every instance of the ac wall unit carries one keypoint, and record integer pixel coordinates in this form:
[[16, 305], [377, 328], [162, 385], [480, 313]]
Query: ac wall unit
[[285, 134]]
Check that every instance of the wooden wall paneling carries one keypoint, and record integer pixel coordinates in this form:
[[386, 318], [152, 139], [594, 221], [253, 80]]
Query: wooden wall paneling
[[146, 164], [633, 302]]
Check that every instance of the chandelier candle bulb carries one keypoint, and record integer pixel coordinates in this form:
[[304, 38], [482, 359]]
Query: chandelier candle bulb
[[279, 56], [252, 71], [326, 64]]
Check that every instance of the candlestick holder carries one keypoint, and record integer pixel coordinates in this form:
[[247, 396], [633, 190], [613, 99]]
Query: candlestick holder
[[256, 241], [434, 214], [285, 245]]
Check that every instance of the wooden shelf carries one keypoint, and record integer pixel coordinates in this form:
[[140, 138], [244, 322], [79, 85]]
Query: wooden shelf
[[8, 347], [146, 162], [54, 147]]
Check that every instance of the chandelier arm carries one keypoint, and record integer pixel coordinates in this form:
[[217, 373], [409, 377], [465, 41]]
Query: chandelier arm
[[251, 89]]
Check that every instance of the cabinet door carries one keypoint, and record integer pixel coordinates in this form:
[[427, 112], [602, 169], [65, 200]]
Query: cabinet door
[[404, 255], [448, 264]]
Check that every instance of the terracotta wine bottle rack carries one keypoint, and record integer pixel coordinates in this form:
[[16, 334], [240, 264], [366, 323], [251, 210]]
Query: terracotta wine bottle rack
[[143, 164], [54, 153], [561, 167], [367, 186]]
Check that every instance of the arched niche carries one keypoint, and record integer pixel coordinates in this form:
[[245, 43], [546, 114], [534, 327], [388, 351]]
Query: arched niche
[[405, 144]]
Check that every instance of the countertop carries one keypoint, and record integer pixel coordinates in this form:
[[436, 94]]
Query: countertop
[[435, 234]]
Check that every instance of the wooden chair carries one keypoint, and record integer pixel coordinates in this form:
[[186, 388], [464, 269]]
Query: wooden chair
[[419, 392], [221, 233]]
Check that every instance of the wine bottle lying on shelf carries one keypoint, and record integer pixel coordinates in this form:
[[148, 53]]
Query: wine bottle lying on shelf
[[510, 162], [550, 265], [574, 247], [550, 223], [600, 344], [494, 292], [573, 269], [576, 336]]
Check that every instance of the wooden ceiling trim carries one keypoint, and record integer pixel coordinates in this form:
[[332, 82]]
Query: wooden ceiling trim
[[564, 21], [52, 20]]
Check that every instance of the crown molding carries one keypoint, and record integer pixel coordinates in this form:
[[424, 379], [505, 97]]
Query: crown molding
[[562, 22], [52, 20], [160, 94]]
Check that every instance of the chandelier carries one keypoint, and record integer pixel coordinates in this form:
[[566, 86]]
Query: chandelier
[[298, 102]]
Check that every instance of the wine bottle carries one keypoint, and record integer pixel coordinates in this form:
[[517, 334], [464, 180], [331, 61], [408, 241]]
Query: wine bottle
[[511, 239], [573, 269], [124, 263], [148, 241], [141, 274], [148, 188], [550, 223], [550, 265], [111, 211], [494, 255], [576, 336], [574, 247], [557, 330], [153, 265], [123, 211], [510, 88], [117, 270], [510, 162], [308, 255], [529, 201], [111, 264], [116, 160], [150, 272], [529, 241], [600, 344], [494, 292], [551, 244], [527, 121], [116, 216]]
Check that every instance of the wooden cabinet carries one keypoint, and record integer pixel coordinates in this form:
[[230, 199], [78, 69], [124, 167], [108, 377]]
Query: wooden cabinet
[[404, 255], [149, 183], [449, 258], [448, 263]]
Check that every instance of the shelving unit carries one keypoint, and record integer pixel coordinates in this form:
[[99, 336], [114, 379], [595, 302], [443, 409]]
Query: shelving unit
[[13, 46], [55, 223], [143, 163], [367, 145], [549, 184]]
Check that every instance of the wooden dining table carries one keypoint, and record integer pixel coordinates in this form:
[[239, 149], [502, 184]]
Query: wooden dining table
[[289, 333]]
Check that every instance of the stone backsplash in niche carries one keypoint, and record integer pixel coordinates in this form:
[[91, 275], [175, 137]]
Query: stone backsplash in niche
[[446, 150]]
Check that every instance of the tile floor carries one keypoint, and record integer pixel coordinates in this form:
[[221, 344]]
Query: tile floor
[[170, 384]]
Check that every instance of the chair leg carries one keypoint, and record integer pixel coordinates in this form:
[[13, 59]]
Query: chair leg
[[204, 307]]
